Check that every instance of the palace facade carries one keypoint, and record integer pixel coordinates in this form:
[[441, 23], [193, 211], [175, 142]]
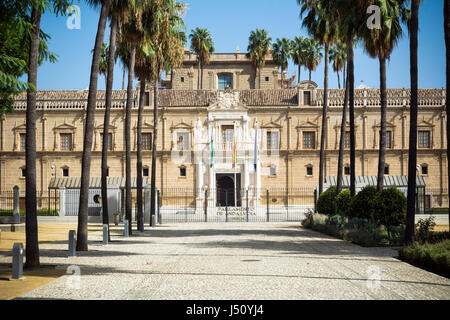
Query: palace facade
[[284, 122]]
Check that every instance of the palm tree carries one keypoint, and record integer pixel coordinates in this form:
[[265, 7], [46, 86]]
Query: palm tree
[[123, 54], [31, 223], [82, 234], [412, 158], [203, 45], [299, 53], [338, 55], [320, 24], [342, 138], [313, 55], [281, 52], [447, 46], [379, 43], [258, 49], [168, 39]]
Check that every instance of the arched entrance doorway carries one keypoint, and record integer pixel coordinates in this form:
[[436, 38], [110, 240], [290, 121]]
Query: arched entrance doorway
[[225, 190]]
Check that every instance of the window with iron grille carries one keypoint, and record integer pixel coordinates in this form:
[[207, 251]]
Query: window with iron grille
[[424, 139], [309, 170], [145, 172], [347, 140], [109, 141], [146, 141], [23, 139], [66, 141], [309, 140], [347, 170], [388, 139], [272, 140], [183, 141], [65, 172]]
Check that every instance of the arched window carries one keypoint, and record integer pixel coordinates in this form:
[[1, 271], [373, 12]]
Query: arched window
[[225, 81]]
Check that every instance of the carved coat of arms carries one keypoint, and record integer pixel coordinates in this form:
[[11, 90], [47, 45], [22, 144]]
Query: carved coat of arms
[[228, 100]]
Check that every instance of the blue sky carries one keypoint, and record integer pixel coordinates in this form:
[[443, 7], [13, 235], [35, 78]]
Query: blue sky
[[230, 23]]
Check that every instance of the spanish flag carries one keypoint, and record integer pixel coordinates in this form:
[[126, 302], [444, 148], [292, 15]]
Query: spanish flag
[[212, 152]]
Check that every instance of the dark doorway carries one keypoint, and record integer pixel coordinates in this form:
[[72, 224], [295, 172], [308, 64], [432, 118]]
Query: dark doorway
[[226, 188]]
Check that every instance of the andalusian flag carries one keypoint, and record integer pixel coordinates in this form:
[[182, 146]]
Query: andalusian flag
[[234, 151], [256, 147]]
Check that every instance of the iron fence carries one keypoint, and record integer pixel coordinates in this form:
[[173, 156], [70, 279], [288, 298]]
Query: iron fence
[[47, 202], [229, 205], [6, 202]]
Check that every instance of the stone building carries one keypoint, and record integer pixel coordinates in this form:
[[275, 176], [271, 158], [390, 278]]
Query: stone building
[[286, 124]]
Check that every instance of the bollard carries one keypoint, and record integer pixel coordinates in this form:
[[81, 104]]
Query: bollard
[[141, 224], [246, 204], [72, 244], [105, 234], [267, 205], [125, 228], [226, 206], [16, 211], [206, 205], [17, 261]]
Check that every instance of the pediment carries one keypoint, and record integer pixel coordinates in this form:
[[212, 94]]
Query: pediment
[[22, 127], [271, 125], [181, 125], [307, 85], [388, 125], [145, 126], [64, 126], [308, 124], [425, 123], [101, 127]]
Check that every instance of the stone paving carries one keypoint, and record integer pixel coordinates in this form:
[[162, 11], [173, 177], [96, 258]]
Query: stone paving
[[279, 261]]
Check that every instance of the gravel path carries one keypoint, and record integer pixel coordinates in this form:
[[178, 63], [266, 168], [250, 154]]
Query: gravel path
[[234, 261]]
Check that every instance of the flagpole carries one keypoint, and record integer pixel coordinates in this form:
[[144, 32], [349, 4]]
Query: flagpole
[[234, 161]]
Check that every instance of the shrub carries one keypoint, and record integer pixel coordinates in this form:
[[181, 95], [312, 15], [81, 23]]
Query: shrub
[[327, 202], [390, 209], [363, 203], [336, 220], [433, 257], [343, 203], [424, 228]]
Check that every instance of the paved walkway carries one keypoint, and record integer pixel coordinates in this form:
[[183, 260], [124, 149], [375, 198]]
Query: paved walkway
[[235, 261]]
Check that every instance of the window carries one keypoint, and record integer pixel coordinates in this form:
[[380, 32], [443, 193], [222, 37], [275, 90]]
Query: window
[[424, 139], [65, 172], [225, 81], [146, 141], [424, 169], [347, 170], [147, 98], [388, 139], [267, 79], [182, 171], [66, 142], [23, 139], [183, 141], [272, 140], [227, 136], [309, 170], [307, 98], [309, 140], [145, 172], [386, 170], [347, 140], [273, 171], [107, 172], [182, 79], [109, 148], [24, 172]]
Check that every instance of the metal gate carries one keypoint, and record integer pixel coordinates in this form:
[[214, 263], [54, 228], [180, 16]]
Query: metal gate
[[72, 199]]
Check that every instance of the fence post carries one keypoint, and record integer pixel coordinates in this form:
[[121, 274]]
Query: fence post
[[226, 205], [159, 207], [206, 205], [267, 205], [246, 204], [16, 211]]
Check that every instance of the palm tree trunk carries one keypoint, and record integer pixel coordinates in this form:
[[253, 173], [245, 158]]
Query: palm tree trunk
[[412, 158], [382, 150], [31, 223], [344, 75], [108, 98], [140, 215], [342, 140], [299, 70], [282, 78], [324, 122], [339, 80], [82, 234], [123, 78], [128, 204], [310, 74], [199, 71], [154, 146], [351, 88], [447, 45], [259, 68]]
